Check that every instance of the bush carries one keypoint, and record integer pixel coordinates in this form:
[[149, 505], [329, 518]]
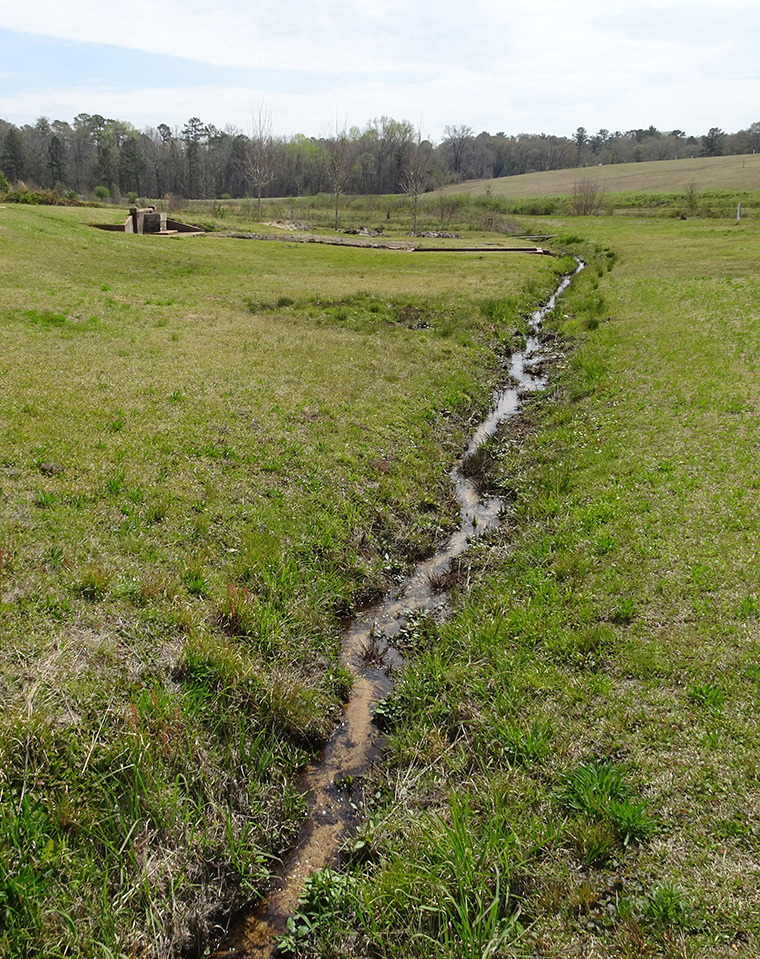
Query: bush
[[4, 185], [587, 199], [40, 197], [102, 192]]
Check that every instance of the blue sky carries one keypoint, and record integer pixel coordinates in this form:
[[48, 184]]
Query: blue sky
[[512, 65]]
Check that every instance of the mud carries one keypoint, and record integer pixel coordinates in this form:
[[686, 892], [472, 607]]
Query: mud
[[370, 654]]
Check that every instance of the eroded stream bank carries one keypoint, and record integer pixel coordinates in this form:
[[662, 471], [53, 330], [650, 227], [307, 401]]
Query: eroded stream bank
[[371, 651]]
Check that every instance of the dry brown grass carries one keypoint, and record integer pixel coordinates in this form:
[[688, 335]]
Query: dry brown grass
[[720, 173]]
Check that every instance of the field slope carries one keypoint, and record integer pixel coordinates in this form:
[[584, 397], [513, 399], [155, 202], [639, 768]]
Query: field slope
[[708, 173], [211, 450], [573, 762]]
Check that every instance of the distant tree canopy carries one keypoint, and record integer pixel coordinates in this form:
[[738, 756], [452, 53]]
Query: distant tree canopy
[[200, 160]]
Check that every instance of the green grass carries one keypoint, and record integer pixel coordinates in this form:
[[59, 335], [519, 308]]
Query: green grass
[[705, 187], [208, 462], [211, 451], [616, 613]]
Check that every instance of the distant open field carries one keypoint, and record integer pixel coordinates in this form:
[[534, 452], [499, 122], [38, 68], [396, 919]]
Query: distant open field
[[709, 173]]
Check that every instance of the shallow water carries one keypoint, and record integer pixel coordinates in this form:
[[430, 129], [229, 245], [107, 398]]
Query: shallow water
[[369, 653]]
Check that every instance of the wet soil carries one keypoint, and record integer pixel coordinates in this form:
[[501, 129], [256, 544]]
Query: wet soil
[[371, 653]]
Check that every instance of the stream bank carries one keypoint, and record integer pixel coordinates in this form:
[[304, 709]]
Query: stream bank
[[371, 651]]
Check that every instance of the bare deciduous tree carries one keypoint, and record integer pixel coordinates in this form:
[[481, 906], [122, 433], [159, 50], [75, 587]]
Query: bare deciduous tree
[[261, 158], [341, 165], [416, 177], [587, 197], [458, 139]]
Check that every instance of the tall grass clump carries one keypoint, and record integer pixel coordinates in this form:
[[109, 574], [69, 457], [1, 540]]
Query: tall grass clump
[[454, 895]]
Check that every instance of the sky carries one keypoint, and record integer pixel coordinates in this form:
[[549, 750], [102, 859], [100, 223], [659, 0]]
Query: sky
[[314, 66]]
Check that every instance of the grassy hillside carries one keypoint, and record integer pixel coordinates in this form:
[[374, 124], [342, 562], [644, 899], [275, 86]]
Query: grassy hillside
[[573, 760], [213, 449], [210, 451], [709, 173]]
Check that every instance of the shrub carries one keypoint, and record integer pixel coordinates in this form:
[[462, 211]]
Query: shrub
[[587, 198], [4, 185], [102, 192], [34, 197]]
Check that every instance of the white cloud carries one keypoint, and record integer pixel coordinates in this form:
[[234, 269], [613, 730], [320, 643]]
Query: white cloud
[[338, 36], [492, 64], [348, 35]]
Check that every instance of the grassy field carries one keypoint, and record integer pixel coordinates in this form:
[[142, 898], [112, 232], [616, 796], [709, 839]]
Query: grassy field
[[704, 187], [211, 451], [573, 758], [709, 173]]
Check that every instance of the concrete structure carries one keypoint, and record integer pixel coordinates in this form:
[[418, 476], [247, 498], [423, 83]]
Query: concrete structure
[[148, 221], [145, 220]]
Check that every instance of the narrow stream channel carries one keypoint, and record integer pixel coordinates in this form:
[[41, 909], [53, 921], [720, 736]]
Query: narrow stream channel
[[369, 653]]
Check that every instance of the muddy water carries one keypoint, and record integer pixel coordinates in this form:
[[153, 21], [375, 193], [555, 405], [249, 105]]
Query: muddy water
[[369, 653]]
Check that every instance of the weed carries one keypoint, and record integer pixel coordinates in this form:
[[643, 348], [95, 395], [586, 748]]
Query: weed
[[239, 610], [667, 905], [594, 841], [388, 713], [521, 746], [195, 581], [418, 631], [158, 507], [709, 695], [45, 318], [93, 582], [54, 556], [454, 892], [604, 543], [598, 791], [753, 672], [118, 423], [115, 483], [749, 608], [323, 901], [591, 787], [631, 821], [44, 499], [624, 611]]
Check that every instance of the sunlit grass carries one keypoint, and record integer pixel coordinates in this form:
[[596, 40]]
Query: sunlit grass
[[616, 615], [211, 451]]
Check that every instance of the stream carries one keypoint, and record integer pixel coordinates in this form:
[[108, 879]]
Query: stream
[[369, 653]]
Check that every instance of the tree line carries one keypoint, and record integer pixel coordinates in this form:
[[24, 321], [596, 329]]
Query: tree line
[[199, 160]]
